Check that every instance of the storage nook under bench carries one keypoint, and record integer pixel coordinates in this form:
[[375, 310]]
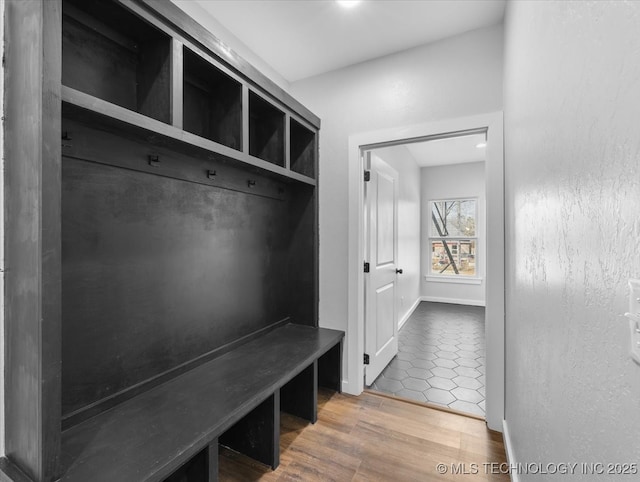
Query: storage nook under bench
[[178, 205]]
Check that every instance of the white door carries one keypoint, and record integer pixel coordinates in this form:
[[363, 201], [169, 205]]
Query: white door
[[381, 327]]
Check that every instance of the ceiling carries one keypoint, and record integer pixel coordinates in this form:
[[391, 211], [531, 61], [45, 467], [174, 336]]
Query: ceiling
[[304, 38], [440, 152]]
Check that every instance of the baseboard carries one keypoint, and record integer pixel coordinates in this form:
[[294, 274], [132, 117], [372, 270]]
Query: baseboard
[[508, 447], [10, 472], [346, 388], [453, 301], [409, 313]]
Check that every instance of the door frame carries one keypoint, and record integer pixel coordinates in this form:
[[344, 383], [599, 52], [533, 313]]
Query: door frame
[[495, 242]]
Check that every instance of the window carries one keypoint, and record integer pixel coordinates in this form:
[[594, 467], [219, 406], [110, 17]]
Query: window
[[453, 237]]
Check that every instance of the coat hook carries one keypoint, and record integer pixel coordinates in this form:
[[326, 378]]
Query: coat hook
[[66, 138], [154, 161], [251, 183], [211, 174]]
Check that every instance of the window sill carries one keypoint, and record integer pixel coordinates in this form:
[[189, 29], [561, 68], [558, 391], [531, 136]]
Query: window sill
[[466, 280]]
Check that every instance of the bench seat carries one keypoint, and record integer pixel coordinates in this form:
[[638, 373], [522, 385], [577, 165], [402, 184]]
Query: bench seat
[[148, 437]]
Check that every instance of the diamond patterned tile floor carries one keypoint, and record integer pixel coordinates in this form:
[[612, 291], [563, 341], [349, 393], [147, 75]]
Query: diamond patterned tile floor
[[440, 358]]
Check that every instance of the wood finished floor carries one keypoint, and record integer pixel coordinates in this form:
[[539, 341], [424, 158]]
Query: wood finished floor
[[374, 438]]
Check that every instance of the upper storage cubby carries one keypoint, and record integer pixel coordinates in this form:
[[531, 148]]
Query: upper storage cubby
[[110, 53], [212, 102], [302, 149], [266, 130]]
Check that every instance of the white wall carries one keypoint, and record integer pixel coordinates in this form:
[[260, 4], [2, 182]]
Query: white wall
[[408, 287], [572, 104], [196, 11], [451, 182], [457, 77]]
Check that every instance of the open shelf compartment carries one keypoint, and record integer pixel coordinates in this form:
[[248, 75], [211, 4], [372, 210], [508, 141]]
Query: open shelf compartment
[[302, 149], [212, 102], [197, 469], [110, 53], [266, 130]]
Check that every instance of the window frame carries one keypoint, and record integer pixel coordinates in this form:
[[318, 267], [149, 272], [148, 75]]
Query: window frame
[[433, 236]]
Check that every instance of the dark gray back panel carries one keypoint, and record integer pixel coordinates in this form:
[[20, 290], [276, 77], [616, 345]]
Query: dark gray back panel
[[157, 272]]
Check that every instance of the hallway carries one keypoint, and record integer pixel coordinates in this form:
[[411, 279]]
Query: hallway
[[441, 358]]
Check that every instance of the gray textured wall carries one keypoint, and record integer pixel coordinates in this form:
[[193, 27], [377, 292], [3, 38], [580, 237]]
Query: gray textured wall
[[572, 140]]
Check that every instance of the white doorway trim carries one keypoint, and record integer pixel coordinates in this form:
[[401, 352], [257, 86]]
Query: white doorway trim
[[494, 326]]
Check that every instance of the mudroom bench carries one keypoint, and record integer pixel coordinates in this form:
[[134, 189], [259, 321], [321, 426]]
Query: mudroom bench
[[172, 431], [161, 278]]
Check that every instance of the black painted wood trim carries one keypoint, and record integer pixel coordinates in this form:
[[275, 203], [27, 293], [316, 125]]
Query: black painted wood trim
[[316, 234], [32, 236]]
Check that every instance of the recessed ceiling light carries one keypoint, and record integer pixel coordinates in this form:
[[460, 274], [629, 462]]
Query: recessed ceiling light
[[481, 145], [347, 3]]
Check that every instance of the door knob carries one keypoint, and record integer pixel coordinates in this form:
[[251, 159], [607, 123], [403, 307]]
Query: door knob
[[399, 271]]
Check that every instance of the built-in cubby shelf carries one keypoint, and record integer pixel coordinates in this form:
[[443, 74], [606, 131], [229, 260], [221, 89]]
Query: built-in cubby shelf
[[80, 106], [120, 66], [212, 102], [114, 55], [266, 130], [302, 142], [175, 189]]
